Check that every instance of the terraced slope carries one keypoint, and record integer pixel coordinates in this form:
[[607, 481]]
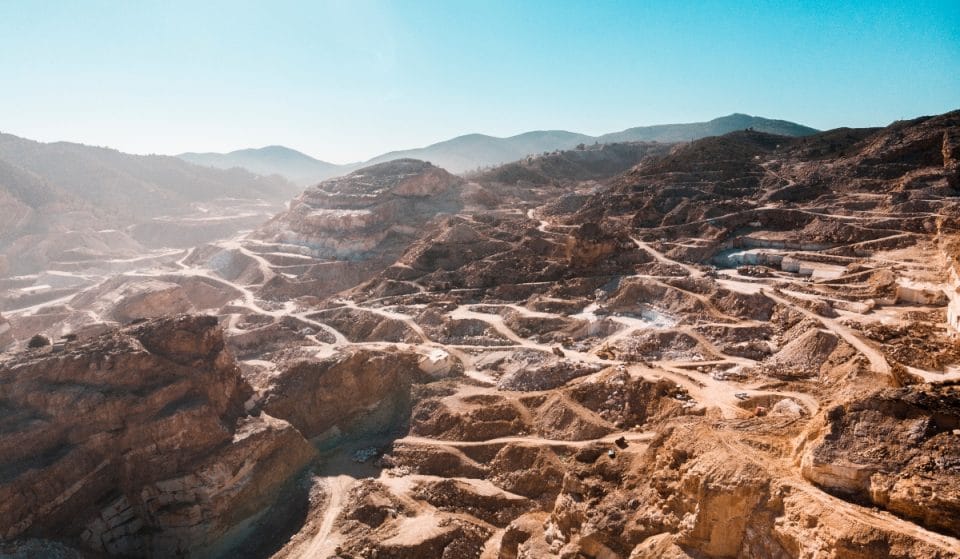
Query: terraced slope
[[744, 346]]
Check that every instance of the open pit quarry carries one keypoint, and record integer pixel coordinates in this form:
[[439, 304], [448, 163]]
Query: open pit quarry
[[741, 346]]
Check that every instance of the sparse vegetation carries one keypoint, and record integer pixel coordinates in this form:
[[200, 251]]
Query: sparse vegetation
[[38, 341]]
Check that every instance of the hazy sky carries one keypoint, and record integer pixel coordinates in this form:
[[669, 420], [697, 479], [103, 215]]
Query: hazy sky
[[344, 81]]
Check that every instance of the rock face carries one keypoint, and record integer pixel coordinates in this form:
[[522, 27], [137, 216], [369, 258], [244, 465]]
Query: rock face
[[137, 443], [357, 390], [505, 250], [354, 217], [914, 473], [693, 495], [345, 230], [950, 249], [763, 431], [148, 299], [735, 349]]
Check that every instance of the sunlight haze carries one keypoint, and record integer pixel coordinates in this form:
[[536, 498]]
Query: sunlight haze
[[344, 81]]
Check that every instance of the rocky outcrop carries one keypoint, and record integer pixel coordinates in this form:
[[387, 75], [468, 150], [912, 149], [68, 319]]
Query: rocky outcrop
[[148, 299], [571, 380], [229, 263], [544, 376], [137, 442], [354, 217], [359, 325], [502, 250], [483, 500], [693, 494], [950, 252], [381, 526], [352, 391], [124, 299], [589, 247], [897, 449]]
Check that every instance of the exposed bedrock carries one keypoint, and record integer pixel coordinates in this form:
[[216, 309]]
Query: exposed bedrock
[[355, 217], [692, 494], [137, 443], [353, 391], [897, 449]]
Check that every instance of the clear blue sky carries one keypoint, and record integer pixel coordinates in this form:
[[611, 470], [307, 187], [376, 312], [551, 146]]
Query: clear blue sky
[[347, 80]]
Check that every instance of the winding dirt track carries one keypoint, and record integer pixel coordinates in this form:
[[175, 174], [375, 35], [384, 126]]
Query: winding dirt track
[[692, 270], [703, 388], [878, 363], [322, 545], [629, 436]]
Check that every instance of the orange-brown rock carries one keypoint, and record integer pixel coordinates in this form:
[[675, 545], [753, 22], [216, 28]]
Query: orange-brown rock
[[137, 442], [353, 217], [897, 449], [351, 391]]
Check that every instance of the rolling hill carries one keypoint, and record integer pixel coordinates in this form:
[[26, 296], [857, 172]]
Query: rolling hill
[[65, 201], [468, 152], [271, 160]]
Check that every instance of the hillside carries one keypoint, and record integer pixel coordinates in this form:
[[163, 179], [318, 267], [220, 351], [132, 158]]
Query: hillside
[[477, 150], [593, 162], [716, 127], [271, 160], [742, 346], [70, 202], [472, 151], [465, 153], [133, 185]]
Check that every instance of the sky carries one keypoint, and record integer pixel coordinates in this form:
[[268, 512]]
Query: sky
[[345, 81]]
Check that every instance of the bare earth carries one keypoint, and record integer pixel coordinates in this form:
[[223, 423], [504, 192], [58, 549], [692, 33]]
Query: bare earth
[[744, 346]]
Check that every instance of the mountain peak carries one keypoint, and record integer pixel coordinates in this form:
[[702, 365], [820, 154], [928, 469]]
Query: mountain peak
[[475, 150]]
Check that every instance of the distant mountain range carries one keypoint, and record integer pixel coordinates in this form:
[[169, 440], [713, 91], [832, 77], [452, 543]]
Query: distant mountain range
[[271, 160], [466, 153], [122, 186]]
